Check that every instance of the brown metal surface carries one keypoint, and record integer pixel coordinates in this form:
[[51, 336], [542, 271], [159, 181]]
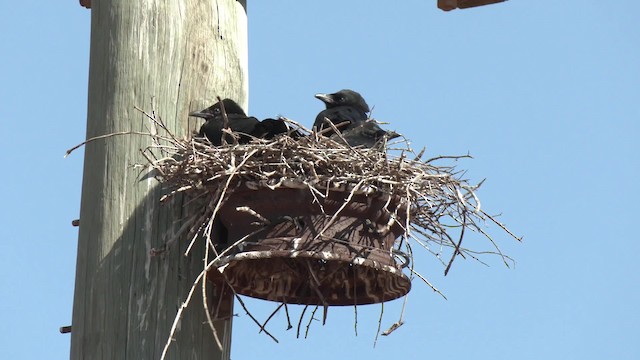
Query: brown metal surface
[[448, 5], [288, 260], [463, 4]]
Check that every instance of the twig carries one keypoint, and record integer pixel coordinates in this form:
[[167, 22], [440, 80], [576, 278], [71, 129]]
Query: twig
[[306, 333], [205, 302], [254, 319], [414, 272], [300, 320], [375, 341], [68, 152], [271, 316], [457, 248], [392, 328], [286, 311], [178, 316]]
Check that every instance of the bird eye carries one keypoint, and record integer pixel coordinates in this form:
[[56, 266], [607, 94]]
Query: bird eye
[[216, 111]]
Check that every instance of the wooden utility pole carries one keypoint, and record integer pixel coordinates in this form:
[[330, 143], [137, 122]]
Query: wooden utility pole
[[177, 55]]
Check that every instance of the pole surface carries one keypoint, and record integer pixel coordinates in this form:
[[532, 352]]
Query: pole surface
[[177, 55]]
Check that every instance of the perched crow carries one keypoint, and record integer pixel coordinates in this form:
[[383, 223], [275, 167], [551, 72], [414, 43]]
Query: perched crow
[[345, 105], [238, 122], [367, 134]]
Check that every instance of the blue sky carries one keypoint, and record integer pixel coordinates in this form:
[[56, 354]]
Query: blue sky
[[543, 94]]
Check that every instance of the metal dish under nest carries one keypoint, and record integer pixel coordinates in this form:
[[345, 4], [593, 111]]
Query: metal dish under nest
[[287, 259]]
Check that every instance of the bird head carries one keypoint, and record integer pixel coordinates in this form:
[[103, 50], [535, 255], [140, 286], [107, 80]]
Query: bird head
[[344, 97], [215, 110]]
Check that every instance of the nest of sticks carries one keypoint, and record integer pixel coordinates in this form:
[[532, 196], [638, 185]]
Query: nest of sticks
[[436, 200], [439, 207]]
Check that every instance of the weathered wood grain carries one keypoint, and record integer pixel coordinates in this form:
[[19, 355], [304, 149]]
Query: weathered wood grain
[[177, 55]]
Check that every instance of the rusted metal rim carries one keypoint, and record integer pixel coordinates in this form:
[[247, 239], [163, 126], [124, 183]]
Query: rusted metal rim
[[313, 277], [334, 250]]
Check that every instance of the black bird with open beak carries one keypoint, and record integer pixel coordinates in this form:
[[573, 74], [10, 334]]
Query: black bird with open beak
[[238, 121], [366, 134], [343, 106]]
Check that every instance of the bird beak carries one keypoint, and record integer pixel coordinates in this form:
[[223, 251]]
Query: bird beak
[[200, 114], [392, 135], [326, 98]]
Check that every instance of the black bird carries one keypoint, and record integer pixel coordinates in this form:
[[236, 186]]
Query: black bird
[[238, 122], [345, 105], [367, 134], [269, 128]]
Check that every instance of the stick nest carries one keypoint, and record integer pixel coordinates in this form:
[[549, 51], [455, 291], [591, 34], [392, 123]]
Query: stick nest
[[439, 206], [437, 200]]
